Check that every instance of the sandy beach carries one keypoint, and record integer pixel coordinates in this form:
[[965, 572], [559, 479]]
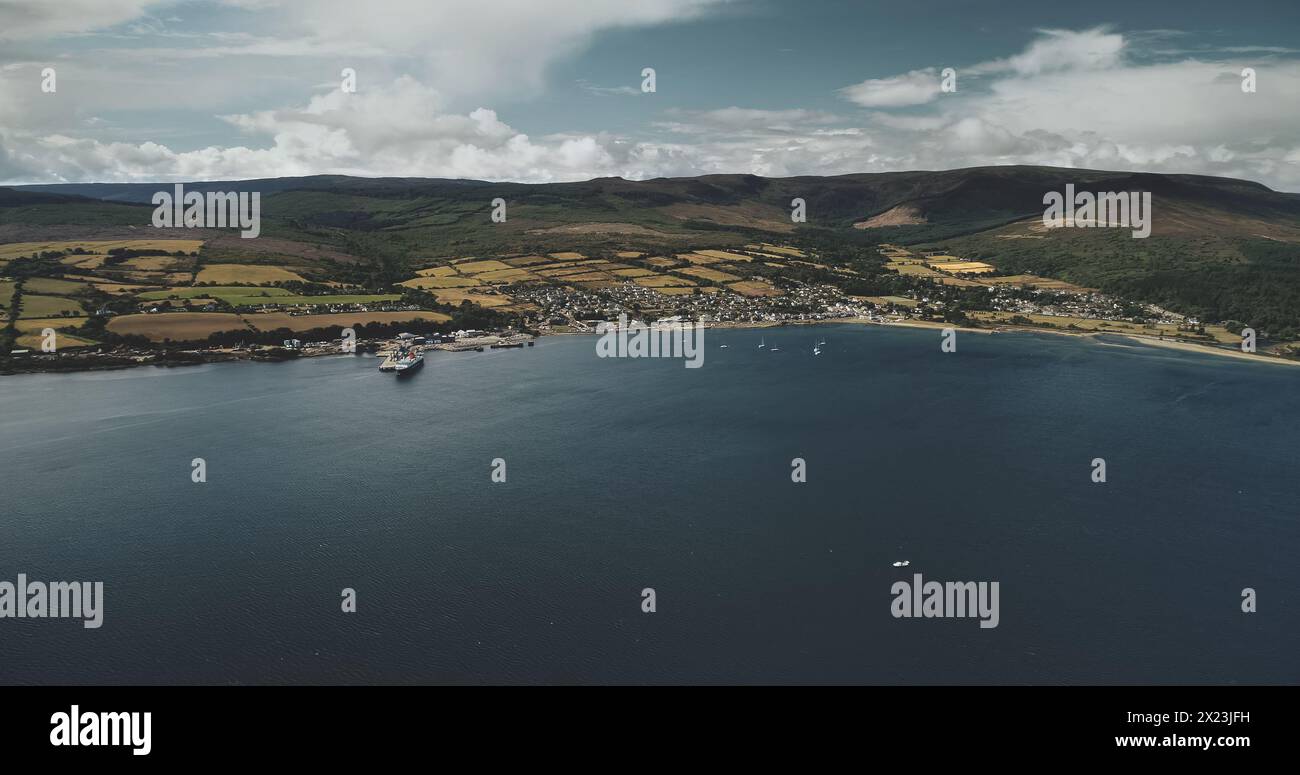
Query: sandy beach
[[1171, 344]]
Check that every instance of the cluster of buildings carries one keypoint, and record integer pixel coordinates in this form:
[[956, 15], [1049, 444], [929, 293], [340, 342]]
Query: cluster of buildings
[[1090, 305], [564, 307]]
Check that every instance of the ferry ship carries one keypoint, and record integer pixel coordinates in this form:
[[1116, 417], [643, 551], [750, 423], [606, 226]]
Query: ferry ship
[[406, 361]]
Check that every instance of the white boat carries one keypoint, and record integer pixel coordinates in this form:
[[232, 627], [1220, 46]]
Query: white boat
[[762, 343], [902, 563], [723, 346]]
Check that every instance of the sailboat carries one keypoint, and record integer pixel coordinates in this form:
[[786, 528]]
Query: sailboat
[[817, 349], [762, 343]]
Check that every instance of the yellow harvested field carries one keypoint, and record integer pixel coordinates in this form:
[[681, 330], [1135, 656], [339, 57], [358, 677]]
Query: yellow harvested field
[[755, 288], [457, 295], [177, 326], [561, 271], [959, 282], [61, 341], [425, 283], [971, 267], [661, 261], [36, 324], [632, 272], [270, 321], [662, 281], [474, 267], [244, 274], [777, 249], [682, 291], [437, 271], [16, 249], [150, 263], [724, 255], [507, 275], [566, 256], [709, 274], [629, 254]]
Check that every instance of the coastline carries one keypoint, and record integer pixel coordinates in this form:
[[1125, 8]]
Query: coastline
[[1171, 344], [222, 356]]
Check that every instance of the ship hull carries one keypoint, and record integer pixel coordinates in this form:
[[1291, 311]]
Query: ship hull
[[408, 368]]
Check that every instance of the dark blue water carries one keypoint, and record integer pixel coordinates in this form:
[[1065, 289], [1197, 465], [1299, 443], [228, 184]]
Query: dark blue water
[[624, 474]]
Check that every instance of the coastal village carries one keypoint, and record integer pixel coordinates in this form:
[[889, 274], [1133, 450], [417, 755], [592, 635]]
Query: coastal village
[[171, 306]]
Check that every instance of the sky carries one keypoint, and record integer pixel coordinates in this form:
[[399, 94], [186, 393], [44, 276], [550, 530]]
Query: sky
[[551, 90]]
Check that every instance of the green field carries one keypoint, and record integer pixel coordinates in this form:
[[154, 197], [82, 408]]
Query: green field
[[34, 306], [287, 299], [240, 295], [213, 290], [53, 287]]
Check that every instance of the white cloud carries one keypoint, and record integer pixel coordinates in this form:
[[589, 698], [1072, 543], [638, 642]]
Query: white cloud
[[1056, 50], [25, 19], [472, 47], [1076, 99], [915, 88], [1068, 99], [336, 132]]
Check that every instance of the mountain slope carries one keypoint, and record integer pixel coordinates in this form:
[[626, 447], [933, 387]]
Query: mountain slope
[[1219, 247]]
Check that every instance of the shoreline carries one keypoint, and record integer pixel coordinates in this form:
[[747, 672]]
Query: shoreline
[[1171, 344], [224, 356]]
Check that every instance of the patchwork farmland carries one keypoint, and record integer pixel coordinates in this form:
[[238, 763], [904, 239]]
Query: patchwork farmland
[[173, 290]]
